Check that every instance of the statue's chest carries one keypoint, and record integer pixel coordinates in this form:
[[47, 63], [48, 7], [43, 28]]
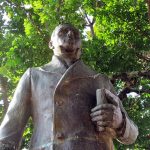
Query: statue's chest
[[76, 92]]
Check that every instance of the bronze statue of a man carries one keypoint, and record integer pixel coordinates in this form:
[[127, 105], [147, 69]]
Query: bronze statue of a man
[[61, 99]]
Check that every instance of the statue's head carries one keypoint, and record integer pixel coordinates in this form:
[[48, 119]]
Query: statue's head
[[65, 41]]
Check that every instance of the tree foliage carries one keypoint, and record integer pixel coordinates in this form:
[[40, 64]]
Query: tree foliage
[[116, 41]]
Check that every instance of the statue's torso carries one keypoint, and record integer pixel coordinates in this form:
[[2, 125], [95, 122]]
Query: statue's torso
[[61, 106]]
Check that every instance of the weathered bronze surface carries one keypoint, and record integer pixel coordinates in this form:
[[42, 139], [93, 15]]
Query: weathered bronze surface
[[59, 97]]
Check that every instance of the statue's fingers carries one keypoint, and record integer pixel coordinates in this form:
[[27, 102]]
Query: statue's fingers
[[100, 128], [107, 112], [103, 106], [99, 118], [104, 123], [96, 113], [111, 98]]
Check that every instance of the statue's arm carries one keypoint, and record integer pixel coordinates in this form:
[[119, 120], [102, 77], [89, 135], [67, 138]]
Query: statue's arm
[[16, 117], [128, 132]]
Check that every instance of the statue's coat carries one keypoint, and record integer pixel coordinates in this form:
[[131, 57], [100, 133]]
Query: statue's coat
[[59, 100]]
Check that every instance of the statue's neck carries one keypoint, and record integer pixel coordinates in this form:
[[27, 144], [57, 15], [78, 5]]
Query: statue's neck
[[66, 61]]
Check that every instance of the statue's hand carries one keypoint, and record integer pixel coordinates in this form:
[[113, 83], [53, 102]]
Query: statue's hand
[[109, 114]]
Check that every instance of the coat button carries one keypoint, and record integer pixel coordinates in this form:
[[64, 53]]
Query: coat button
[[59, 136], [59, 103]]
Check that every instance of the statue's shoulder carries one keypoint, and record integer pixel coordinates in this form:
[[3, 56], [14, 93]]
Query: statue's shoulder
[[96, 74], [44, 68], [85, 69], [99, 78]]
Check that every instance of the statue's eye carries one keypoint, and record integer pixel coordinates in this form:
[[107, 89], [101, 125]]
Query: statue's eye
[[63, 31], [77, 35]]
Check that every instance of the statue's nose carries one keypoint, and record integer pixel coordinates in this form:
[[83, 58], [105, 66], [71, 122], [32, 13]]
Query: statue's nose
[[70, 34]]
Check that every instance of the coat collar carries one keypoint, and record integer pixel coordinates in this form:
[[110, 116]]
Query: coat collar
[[76, 71], [55, 66]]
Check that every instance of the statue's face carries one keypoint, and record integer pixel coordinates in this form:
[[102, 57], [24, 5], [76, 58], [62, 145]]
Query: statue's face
[[66, 41]]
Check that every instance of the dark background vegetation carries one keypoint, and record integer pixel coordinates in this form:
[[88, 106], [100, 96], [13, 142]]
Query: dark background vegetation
[[116, 42]]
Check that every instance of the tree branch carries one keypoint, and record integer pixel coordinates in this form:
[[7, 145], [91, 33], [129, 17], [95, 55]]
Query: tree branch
[[3, 85], [123, 94], [88, 21], [131, 80], [144, 57], [130, 76], [148, 4], [148, 136]]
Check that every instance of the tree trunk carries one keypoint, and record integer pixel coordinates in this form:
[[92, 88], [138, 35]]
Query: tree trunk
[[3, 90], [148, 4]]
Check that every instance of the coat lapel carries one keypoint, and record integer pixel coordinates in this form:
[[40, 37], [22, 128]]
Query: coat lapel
[[76, 71]]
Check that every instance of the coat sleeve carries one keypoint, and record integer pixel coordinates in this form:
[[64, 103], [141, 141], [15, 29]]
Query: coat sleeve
[[129, 131], [16, 117]]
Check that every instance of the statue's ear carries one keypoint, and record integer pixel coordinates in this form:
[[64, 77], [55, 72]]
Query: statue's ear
[[51, 45], [78, 53]]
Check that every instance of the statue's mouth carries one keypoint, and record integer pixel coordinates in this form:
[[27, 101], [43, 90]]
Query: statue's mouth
[[67, 49]]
